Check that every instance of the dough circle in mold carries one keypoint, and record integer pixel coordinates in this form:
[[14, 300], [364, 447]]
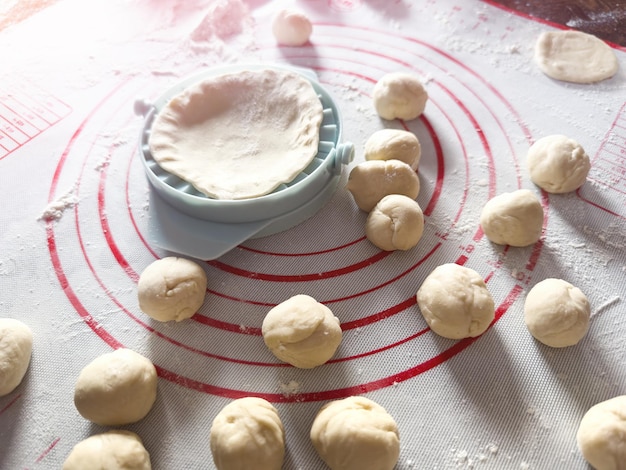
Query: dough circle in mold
[[239, 135]]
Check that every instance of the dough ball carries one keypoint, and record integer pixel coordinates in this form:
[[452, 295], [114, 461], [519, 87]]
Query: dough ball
[[455, 302], [396, 223], [574, 56], [247, 434], [171, 289], [291, 28], [557, 164], [394, 144], [302, 332], [399, 95], [514, 219], [113, 450], [557, 313], [116, 388], [356, 434], [16, 346], [372, 180], [601, 435]]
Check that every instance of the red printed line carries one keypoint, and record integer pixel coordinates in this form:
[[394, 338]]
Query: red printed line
[[299, 277], [47, 450], [380, 315], [384, 348], [8, 405]]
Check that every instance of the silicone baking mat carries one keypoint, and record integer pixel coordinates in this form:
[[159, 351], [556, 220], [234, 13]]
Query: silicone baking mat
[[75, 233]]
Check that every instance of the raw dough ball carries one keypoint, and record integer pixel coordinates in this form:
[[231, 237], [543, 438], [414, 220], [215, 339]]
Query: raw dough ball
[[116, 388], [573, 56], [291, 28], [399, 95], [455, 302], [113, 450], [394, 144], [557, 313], [557, 164], [171, 289], [601, 435], [514, 219], [372, 180], [16, 345], [302, 332], [239, 135], [356, 434], [396, 223], [247, 434]]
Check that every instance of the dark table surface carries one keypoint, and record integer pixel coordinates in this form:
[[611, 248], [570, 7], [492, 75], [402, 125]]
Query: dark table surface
[[603, 18]]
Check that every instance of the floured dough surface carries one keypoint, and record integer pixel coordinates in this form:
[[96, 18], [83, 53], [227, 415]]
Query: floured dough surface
[[602, 433], [455, 302], [573, 56], [557, 164], [247, 434], [395, 223], [514, 218], [239, 135], [557, 313], [16, 345], [116, 388], [356, 433], [302, 332], [171, 288], [117, 449]]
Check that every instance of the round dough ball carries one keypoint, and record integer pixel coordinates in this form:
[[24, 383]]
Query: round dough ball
[[291, 28], [113, 450], [372, 180], [574, 56], [557, 313], [601, 434], [302, 332], [116, 388], [396, 223], [394, 144], [399, 95], [356, 434], [16, 346], [171, 288], [455, 302], [557, 164], [514, 219], [247, 434]]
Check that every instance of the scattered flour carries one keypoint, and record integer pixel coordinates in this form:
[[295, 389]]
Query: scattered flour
[[55, 209]]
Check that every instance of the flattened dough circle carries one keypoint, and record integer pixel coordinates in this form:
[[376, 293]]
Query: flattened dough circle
[[239, 135], [573, 56]]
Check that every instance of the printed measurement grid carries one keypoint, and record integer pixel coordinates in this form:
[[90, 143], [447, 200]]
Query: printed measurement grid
[[608, 168], [25, 112]]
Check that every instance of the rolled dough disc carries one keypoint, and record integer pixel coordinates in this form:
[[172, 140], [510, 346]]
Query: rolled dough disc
[[239, 135], [573, 56]]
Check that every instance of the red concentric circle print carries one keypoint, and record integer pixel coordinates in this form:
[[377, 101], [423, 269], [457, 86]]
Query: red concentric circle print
[[470, 137]]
